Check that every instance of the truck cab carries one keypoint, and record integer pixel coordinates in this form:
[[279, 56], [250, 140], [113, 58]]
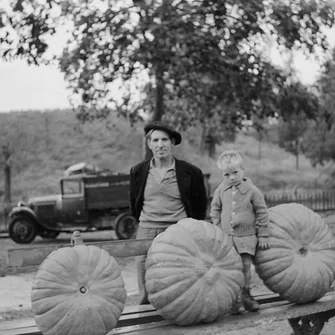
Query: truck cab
[[73, 209]]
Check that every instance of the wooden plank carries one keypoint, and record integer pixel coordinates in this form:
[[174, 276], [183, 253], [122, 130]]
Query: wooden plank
[[129, 313], [20, 323], [137, 309], [263, 298], [148, 317], [146, 314], [19, 327], [232, 322], [30, 256], [133, 312], [140, 314], [145, 320], [23, 331]]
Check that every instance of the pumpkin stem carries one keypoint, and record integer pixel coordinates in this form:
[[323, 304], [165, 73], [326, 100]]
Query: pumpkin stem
[[303, 251], [76, 238]]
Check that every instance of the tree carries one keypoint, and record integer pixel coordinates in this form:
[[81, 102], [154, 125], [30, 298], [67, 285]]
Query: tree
[[209, 56], [291, 136], [319, 142], [15, 153], [299, 105], [320, 136], [260, 126]]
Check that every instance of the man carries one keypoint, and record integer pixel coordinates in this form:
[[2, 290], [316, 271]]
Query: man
[[163, 190]]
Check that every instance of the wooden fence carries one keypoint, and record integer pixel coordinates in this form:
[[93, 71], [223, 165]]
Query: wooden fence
[[316, 200]]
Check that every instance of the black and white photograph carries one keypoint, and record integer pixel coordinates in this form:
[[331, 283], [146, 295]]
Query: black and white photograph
[[167, 167]]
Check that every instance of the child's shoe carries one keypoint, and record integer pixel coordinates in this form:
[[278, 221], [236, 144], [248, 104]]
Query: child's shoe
[[250, 304], [237, 307]]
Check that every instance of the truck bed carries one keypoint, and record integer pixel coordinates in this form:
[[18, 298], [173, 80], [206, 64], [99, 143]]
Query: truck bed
[[104, 192]]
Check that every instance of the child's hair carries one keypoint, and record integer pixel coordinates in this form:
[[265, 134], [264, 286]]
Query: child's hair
[[229, 157]]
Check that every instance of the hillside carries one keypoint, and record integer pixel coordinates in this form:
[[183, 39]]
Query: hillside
[[47, 143]]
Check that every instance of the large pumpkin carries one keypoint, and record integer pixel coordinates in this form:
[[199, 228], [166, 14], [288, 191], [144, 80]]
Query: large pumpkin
[[300, 264], [77, 291], [193, 273]]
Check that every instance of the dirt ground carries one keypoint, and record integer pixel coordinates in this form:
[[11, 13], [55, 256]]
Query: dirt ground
[[128, 266]]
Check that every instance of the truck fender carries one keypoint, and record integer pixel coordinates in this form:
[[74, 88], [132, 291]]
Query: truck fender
[[22, 210]]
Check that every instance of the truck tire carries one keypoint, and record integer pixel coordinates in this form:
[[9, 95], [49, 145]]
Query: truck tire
[[125, 226], [48, 234], [22, 229]]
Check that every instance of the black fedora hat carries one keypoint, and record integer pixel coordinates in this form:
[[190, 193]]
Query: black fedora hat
[[157, 125]]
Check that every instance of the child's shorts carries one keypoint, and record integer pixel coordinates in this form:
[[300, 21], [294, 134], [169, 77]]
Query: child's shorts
[[245, 244]]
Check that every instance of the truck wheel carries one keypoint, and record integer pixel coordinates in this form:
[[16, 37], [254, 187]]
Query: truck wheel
[[125, 226], [22, 229], [46, 233]]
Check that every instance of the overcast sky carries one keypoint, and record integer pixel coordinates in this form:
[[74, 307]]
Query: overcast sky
[[24, 87]]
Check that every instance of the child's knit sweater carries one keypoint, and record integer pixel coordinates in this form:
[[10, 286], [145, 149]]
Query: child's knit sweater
[[240, 209]]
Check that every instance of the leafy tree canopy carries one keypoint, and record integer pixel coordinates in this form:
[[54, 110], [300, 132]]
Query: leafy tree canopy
[[321, 135], [192, 60]]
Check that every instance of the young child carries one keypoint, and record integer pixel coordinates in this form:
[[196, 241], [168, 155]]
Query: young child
[[239, 207]]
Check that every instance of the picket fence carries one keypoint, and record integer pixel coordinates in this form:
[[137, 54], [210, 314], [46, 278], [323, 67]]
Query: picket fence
[[316, 200]]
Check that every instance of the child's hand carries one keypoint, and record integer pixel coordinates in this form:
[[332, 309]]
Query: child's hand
[[263, 243], [235, 224]]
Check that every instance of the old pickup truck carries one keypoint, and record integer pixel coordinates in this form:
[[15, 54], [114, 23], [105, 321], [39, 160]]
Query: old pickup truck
[[87, 202]]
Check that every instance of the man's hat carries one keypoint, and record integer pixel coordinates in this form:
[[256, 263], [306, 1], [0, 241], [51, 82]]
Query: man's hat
[[157, 125]]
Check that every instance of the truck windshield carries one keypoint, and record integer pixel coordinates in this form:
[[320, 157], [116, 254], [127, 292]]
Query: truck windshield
[[71, 187]]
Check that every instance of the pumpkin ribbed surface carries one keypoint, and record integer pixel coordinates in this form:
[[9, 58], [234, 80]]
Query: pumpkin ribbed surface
[[78, 291], [193, 273], [300, 264]]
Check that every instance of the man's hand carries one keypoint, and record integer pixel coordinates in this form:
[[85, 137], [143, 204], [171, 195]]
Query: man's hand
[[263, 243]]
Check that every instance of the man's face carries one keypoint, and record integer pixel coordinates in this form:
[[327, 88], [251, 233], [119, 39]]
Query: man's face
[[160, 144]]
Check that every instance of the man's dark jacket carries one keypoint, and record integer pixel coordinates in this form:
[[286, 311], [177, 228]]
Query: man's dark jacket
[[190, 182]]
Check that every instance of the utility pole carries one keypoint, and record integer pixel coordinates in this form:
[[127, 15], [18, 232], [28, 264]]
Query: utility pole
[[7, 176]]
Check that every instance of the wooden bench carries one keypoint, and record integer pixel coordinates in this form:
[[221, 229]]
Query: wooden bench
[[307, 319]]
